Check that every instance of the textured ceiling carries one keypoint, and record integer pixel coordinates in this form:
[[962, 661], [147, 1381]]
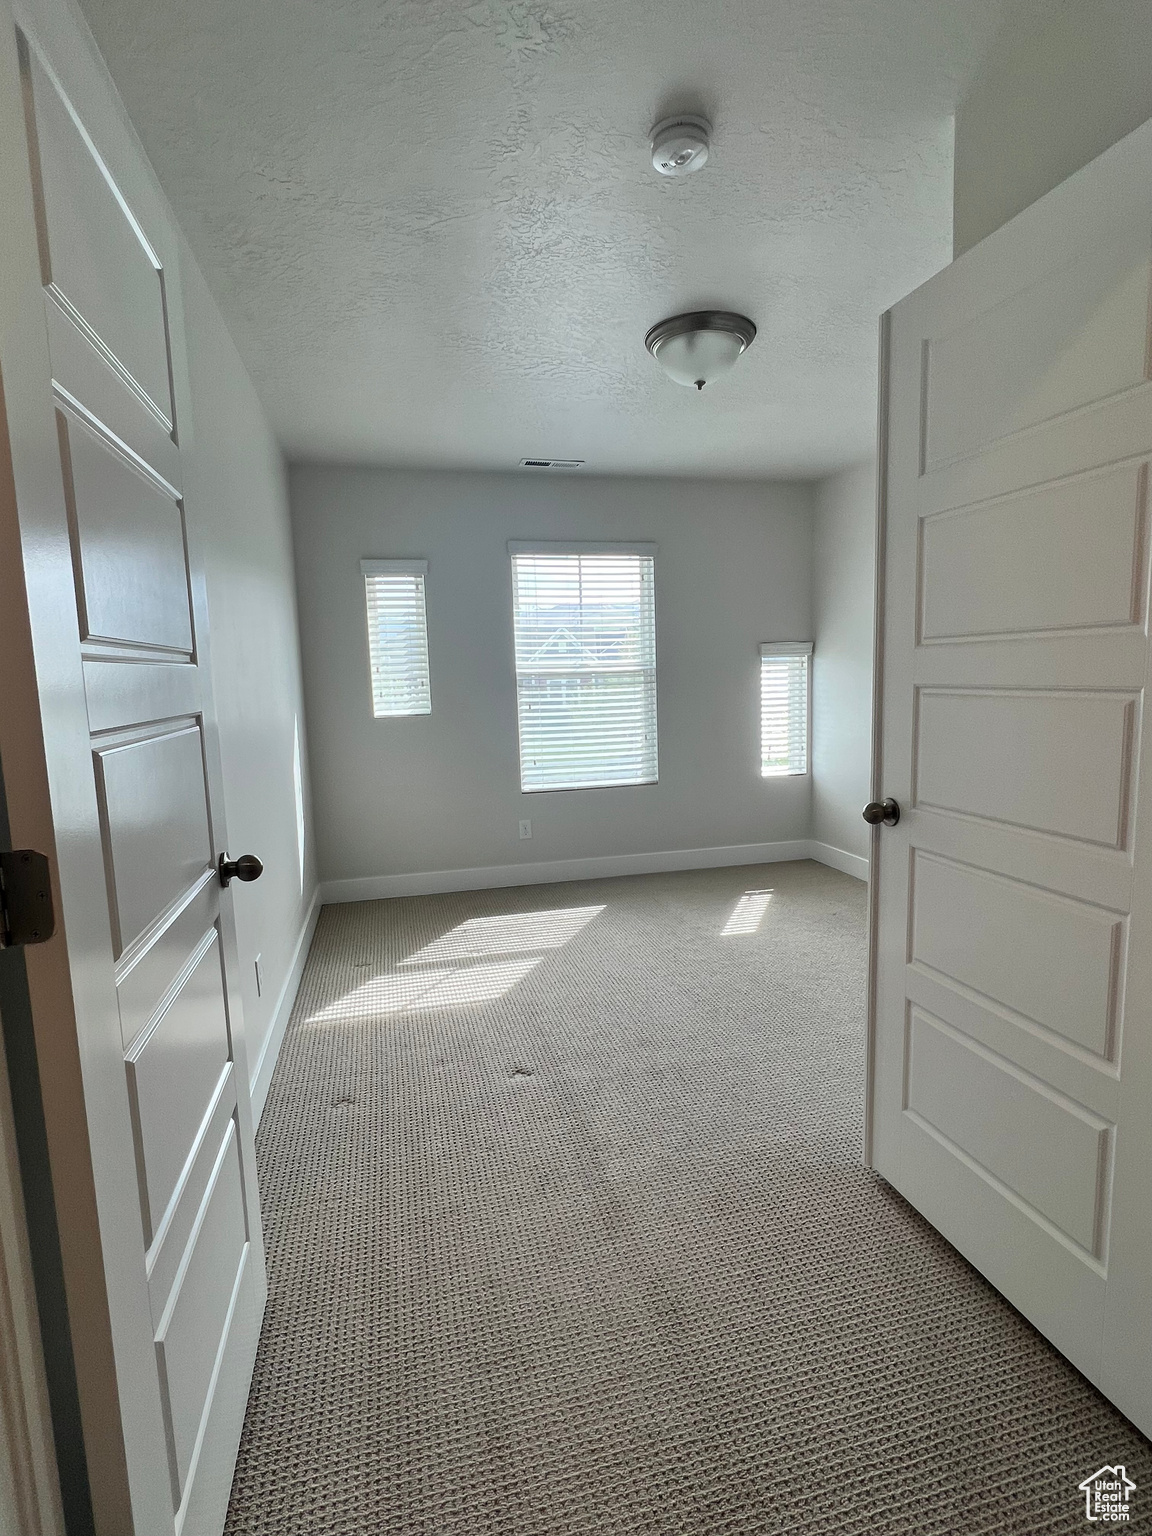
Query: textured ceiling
[[437, 238]]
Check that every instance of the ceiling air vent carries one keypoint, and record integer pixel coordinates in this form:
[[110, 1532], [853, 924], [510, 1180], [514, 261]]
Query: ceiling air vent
[[551, 463]]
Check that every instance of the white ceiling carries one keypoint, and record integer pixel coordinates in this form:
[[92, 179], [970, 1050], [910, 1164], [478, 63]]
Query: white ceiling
[[435, 233]]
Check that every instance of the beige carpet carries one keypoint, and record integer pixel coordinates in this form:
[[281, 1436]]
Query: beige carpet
[[568, 1233]]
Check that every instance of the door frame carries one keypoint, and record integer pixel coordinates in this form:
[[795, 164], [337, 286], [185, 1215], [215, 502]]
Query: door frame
[[30, 1493]]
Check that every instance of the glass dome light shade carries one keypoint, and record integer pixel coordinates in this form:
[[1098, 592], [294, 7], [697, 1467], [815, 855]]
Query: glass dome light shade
[[694, 349]]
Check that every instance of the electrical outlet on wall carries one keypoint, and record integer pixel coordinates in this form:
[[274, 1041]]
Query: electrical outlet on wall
[[259, 975], [525, 828]]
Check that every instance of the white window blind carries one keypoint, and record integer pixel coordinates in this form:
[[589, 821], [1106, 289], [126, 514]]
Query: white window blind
[[784, 708], [397, 636], [585, 630]]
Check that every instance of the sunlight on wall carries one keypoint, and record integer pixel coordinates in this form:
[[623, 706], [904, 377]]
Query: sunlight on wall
[[747, 914], [511, 933], [298, 788]]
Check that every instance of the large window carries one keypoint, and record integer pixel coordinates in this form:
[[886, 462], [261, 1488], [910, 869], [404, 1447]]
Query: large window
[[397, 636], [784, 708], [585, 630]]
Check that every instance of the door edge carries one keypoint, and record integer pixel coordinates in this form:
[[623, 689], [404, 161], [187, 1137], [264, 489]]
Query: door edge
[[877, 725]]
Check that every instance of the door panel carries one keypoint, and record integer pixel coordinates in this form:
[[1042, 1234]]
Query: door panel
[[95, 260], [193, 1328], [177, 1230], [155, 816], [1048, 1152], [1071, 337], [146, 979], [173, 1074], [1055, 962], [990, 570], [1011, 1024], [132, 575], [1017, 1039], [146, 691], [119, 408], [1036, 753]]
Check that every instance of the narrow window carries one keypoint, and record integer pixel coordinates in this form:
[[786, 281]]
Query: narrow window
[[397, 636], [784, 708], [585, 632]]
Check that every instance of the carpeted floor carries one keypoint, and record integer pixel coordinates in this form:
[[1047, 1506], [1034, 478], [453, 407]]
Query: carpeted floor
[[568, 1233]]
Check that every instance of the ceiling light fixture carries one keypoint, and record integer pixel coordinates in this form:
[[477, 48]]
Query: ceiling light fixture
[[692, 349], [680, 144]]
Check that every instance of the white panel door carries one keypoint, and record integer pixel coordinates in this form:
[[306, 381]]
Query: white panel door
[[165, 1269], [1010, 1095]]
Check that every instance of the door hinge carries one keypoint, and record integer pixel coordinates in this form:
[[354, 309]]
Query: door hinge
[[26, 914]]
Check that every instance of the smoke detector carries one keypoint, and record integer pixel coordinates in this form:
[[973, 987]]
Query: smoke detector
[[680, 144]]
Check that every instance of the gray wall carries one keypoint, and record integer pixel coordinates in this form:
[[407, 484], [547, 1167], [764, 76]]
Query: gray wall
[[843, 574], [1065, 80], [442, 791], [238, 511]]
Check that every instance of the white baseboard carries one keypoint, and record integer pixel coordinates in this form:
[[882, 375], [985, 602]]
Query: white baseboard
[[838, 858], [262, 1074], [434, 882]]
